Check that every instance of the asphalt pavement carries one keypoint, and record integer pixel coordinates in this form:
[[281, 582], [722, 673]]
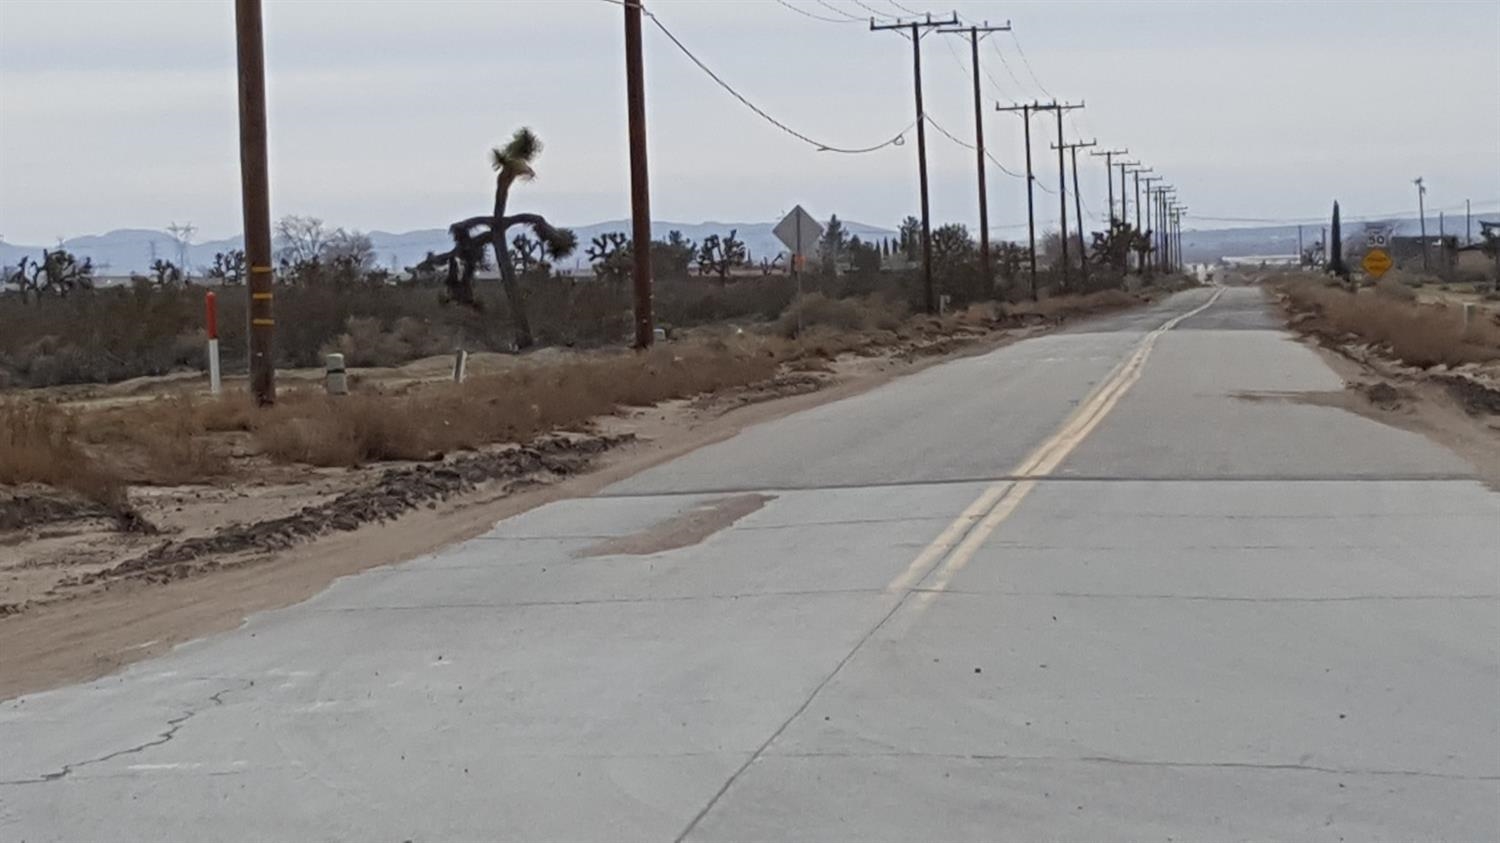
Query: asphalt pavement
[[1113, 583]]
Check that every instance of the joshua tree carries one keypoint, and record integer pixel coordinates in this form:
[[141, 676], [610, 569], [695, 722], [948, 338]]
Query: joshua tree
[[717, 256], [165, 273], [512, 163], [611, 255], [58, 272], [229, 267]]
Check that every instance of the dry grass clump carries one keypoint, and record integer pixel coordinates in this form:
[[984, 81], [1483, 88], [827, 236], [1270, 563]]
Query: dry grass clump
[[1065, 306], [512, 406], [1421, 334], [38, 444], [873, 312]]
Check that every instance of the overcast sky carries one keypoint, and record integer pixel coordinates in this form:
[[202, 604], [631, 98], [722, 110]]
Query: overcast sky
[[123, 114]]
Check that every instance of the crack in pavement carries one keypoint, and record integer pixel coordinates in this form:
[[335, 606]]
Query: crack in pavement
[[1129, 762], [173, 725]]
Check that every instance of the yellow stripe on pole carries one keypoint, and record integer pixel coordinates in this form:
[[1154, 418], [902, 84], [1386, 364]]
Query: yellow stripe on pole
[[261, 296], [261, 269], [263, 322]]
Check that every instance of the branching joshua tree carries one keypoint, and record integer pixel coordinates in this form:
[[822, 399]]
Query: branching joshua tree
[[720, 256], [512, 163], [612, 256]]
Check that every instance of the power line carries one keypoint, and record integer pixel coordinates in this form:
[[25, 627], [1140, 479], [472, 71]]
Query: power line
[[906, 9], [867, 7], [1027, 62], [836, 10], [897, 140], [806, 13], [969, 146], [1006, 64]]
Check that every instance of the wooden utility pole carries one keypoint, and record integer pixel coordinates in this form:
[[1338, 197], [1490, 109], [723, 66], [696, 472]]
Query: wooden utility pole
[[1147, 261], [1062, 176], [1468, 224], [255, 199], [1124, 193], [1083, 254], [1025, 111], [917, 31], [1109, 179], [640, 186], [1135, 177], [1299, 245], [976, 33]]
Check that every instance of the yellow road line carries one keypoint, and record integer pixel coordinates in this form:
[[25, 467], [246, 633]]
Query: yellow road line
[[957, 544]]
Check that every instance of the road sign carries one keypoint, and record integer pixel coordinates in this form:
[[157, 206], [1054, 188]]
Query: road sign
[[799, 231], [1378, 235], [1377, 262]]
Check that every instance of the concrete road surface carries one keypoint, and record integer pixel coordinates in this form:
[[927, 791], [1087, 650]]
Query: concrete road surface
[[1115, 583]]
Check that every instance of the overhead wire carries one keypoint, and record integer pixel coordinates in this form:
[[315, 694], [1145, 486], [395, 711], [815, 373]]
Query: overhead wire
[[969, 146], [906, 9], [1027, 62], [897, 140], [836, 10], [813, 15]]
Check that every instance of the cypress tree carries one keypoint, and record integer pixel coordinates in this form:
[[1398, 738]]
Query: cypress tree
[[1336, 247]]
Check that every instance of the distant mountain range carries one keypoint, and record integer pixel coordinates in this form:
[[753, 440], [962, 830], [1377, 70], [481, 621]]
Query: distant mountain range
[[127, 250], [121, 252]]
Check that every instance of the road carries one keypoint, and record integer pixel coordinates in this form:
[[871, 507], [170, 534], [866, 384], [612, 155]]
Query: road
[[1110, 583]]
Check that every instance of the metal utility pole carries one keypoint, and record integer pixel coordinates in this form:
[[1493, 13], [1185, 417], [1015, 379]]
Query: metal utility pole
[[976, 33], [917, 28], [1422, 217], [1109, 178], [1030, 188], [1078, 205], [255, 198], [1181, 260], [1442, 247], [640, 187], [1062, 176]]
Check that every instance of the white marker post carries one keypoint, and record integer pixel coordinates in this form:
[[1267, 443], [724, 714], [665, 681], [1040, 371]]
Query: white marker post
[[211, 318]]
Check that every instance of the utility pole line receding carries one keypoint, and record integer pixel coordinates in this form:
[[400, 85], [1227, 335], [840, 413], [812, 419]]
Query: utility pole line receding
[[1146, 261], [1062, 176], [1083, 255], [976, 33], [255, 198], [1025, 111], [1109, 179], [917, 28], [640, 189]]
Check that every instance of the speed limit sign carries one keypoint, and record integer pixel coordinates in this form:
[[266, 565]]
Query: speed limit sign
[[1377, 236]]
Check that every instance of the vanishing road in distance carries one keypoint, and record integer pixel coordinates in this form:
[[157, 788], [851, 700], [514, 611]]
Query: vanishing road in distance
[[1118, 582]]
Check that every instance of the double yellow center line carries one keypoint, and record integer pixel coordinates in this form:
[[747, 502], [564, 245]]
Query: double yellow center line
[[957, 544]]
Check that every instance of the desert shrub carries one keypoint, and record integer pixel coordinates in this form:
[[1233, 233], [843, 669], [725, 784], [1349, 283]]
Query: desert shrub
[[1420, 334], [38, 445], [1395, 289]]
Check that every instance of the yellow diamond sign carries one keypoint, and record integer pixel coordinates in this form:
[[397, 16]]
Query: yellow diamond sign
[[1377, 262]]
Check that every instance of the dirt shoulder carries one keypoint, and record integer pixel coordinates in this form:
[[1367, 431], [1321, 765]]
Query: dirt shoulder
[[86, 598], [1458, 407]]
